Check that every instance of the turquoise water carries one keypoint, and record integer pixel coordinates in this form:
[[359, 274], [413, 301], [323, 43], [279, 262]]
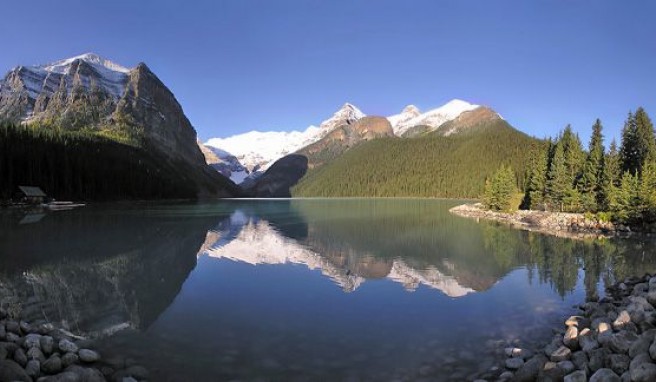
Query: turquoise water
[[286, 290]]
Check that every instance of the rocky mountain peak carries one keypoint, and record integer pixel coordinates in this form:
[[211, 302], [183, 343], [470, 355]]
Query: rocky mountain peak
[[92, 92], [346, 115], [411, 110]]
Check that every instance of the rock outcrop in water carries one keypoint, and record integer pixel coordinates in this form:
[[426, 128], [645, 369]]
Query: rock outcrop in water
[[570, 225]]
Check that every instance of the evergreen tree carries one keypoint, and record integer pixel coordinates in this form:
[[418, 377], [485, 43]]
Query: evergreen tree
[[648, 191], [499, 190], [646, 141], [590, 183], [537, 180], [558, 181], [629, 148], [610, 179], [573, 153], [628, 209]]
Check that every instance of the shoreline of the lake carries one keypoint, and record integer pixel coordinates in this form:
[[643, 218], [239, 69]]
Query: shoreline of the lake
[[41, 352], [560, 224], [613, 339]]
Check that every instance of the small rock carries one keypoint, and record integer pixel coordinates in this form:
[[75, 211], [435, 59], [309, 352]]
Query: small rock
[[587, 340], [651, 297], [577, 376], [597, 358], [561, 354], [35, 353], [568, 366], [641, 345], [25, 327], [86, 374], [621, 342], [530, 370], [69, 359], [47, 344], [579, 321], [87, 355], [597, 321], [602, 327], [570, 339], [622, 320], [619, 363], [514, 363], [604, 375], [506, 376], [13, 337], [580, 360], [33, 368], [20, 357], [32, 341], [644, 372], [551, 372], [52, 365], [68, 346], [11, 371]]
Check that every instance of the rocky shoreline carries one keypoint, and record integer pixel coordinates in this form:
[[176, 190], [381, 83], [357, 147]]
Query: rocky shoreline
[[40, 352], [561, 224], [613, 339]]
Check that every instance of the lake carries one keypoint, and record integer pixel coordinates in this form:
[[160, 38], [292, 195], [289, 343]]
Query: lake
[[302, 290]]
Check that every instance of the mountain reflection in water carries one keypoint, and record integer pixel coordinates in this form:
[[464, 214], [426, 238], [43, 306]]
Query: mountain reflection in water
[[246, 289]]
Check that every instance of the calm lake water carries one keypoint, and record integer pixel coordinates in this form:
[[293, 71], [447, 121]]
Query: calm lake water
[[302, 290]]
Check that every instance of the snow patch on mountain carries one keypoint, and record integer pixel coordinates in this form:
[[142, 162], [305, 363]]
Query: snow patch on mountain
[[62, 66], [47, 79], [433, 118], [409, 112]]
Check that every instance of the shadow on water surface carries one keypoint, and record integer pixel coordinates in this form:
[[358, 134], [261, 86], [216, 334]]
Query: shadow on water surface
[[182, 277]]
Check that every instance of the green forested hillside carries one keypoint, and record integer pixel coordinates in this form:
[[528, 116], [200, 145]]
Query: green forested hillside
[[429, 166], [84, 166]]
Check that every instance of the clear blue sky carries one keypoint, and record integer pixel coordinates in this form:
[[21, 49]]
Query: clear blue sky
[[241, 65]]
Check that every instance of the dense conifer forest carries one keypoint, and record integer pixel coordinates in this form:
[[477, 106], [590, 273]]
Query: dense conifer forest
[[86, 166], [454, 166], [618, 183]]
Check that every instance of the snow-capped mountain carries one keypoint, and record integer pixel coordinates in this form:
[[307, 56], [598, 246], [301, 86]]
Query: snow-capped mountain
[[433, 119], [91, 92], [85, 72], [257, 150], [408, 113]]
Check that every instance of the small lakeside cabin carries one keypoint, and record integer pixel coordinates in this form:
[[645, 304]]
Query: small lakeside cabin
[[31, 195]]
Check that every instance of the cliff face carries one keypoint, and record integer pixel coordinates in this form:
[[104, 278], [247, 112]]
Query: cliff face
[[132, 106], [88, 92]]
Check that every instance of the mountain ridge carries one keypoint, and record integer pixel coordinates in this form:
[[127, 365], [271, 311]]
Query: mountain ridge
[[258, 150]]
